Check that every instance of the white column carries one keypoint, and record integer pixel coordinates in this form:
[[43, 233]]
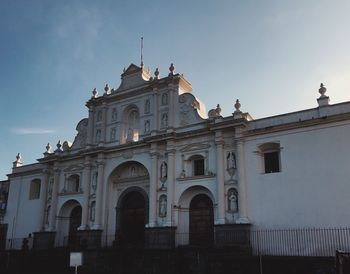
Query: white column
[[54, 199], [86, 192], [153, 189], [242, 188], [44, 198], [170, 186], [99, 194], [220, 177]]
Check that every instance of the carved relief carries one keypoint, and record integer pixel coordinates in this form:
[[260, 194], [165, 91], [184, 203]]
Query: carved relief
[[232, 200], [80, 139], [162, 206]]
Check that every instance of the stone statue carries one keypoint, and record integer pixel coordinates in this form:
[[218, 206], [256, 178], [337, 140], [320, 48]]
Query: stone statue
[[164, 171], [231, 164], [164, 120], [94, 181], [147, 126], [92, 211], [113, 133], [232, 200], [114, 114], [147, 106], [98, 136], [130, 135], [162, 206], [164, 99]]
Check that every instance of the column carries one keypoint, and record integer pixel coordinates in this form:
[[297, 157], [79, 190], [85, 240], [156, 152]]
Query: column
[[99, 194], [54, 199], [170, 186], [86, 192], [44, 198], [242, 186], [220, 176], [153, 188]]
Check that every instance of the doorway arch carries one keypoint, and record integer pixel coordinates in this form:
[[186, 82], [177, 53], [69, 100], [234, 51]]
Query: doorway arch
[[132, 216], [201, 221]]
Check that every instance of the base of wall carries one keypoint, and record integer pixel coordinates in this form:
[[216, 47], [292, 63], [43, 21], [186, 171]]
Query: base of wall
[[160, 237], [89, 239], [44, 240], [233, 235]]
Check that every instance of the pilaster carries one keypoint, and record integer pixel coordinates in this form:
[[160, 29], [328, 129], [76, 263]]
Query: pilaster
[[220, 177]]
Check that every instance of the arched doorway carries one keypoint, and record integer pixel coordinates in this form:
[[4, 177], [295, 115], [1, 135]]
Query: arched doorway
[[74, 223], [132, 219], [201, 220]]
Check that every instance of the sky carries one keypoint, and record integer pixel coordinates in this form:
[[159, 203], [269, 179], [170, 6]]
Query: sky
[[271, 55]]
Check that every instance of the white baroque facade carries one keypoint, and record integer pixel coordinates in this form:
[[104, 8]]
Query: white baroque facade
[[147, 166]]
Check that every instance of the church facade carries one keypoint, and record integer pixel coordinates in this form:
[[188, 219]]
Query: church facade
[[149, 166]]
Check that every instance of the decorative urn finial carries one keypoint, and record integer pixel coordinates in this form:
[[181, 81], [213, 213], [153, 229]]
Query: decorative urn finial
[[59, 145], [48, 148], [156, 73], [171, 69], [322, 90], [107, 90], [94, 93], [237, 106]]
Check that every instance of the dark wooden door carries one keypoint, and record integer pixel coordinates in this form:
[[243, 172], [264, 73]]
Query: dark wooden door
[[74, 223], [133, 217], [201, 220]]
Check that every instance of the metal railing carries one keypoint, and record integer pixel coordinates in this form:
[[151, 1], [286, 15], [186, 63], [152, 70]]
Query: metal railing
[[277, 242], [300, 242]]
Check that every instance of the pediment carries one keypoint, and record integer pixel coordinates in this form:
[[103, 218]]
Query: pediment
[[131, 70], [195, 147]]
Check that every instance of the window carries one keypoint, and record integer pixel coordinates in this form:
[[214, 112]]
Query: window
[[198, 165], [271, 157], [73, 183], [34, 192]]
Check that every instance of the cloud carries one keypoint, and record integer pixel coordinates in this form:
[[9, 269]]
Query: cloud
[[26, 131]]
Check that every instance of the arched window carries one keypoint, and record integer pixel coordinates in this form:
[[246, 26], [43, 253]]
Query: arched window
[[73, 183], [34, 192]]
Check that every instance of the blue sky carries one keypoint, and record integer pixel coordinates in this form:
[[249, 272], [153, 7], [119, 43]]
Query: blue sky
[[272, 55]]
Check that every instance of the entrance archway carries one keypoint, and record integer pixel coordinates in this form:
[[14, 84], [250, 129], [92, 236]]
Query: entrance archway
[[74, 223], [132, 219], [201, 220]]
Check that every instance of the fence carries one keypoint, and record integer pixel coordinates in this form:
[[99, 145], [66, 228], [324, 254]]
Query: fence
[[300, 242], [278, 242]]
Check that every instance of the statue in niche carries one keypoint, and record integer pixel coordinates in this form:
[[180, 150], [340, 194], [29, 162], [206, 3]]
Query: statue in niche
[[99, 116], [147, 126], [164, 120], [162, 206], [49, 191], [232, 197], [98, 136], [94, 181], [114, 114], [133, 171], [92, 211], [231, 164], [47, 215], [163, 172], [164, 99], [130, 135], [113, 133], [147, 106]]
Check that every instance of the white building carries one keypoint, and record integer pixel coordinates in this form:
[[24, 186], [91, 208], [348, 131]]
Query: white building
[[147, 166]]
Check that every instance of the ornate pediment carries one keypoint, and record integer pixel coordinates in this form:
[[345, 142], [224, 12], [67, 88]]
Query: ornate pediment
[[195, 147]]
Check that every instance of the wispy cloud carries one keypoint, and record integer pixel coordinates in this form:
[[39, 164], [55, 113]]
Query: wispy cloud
[[26, 131]]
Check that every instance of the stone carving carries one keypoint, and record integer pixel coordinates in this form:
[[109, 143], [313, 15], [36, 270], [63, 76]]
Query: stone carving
[[98, 136], [322, 90], [213, 113], [81, 137], [163, 172], [114, 114], [231, 164], [232, 199], [113, 134], [92, 211], [164, 99], [147, 126], [164, 123], [147, 106], [162, 206], [99, 116], [94, 181]]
